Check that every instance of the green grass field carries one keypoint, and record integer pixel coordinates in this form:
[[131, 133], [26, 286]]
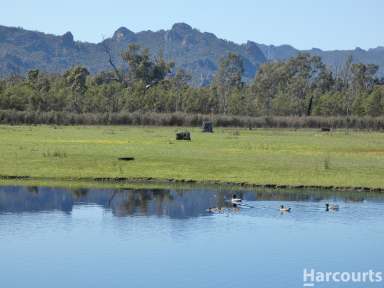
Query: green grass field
[[284, 157]]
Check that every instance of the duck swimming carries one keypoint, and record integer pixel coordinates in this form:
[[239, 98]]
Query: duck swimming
[[235, 199], [331, 207], [284, 209], [213, 210]]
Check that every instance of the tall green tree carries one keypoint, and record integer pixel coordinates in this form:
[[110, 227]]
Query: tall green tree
[[180, 84], [375, 102], [289, 88], [143, 68], [76, 80], [228, 78]]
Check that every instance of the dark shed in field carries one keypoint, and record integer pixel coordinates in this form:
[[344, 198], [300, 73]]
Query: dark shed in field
[[207, 127], [183, 136]]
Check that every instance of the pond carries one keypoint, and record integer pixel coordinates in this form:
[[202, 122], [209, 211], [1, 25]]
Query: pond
[[51, 237]]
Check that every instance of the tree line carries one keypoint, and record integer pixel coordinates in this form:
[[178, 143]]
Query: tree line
[[300, 86]]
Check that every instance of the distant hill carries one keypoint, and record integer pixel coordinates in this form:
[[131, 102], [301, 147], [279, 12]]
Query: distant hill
[[192, 50], [335, 58]]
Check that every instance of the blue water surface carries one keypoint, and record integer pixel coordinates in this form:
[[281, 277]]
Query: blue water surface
[[53, 237]]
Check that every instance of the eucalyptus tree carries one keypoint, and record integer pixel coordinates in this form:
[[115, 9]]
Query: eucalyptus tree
[[76, 78], [143, 68], [228, 79], [180, 84]]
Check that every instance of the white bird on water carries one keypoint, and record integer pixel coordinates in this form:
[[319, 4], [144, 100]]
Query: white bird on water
[[235, 199]]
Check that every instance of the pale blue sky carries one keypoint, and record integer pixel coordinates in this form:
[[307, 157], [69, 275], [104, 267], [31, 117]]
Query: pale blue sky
[[325, 24]]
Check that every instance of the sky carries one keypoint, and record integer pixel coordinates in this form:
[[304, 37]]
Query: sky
[[324, 24]]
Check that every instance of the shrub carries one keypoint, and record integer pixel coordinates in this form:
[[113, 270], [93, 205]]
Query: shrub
[[13, 117]]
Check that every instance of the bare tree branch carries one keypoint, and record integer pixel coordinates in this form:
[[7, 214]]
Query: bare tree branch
[[107, 50]]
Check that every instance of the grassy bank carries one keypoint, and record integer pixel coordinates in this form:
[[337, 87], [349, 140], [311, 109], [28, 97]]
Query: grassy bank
[[282, 157]]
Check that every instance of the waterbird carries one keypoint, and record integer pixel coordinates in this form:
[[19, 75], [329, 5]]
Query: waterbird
[[215, 210], [233, 208], [331, 207], [235, 199], [284, 209]]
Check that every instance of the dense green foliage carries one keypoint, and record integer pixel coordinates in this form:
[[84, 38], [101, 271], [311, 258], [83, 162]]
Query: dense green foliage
[[300, 86]]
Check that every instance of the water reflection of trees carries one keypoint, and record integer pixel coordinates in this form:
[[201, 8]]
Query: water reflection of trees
[[34, 199], [174, 203], [130, 202], [79, 193]]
